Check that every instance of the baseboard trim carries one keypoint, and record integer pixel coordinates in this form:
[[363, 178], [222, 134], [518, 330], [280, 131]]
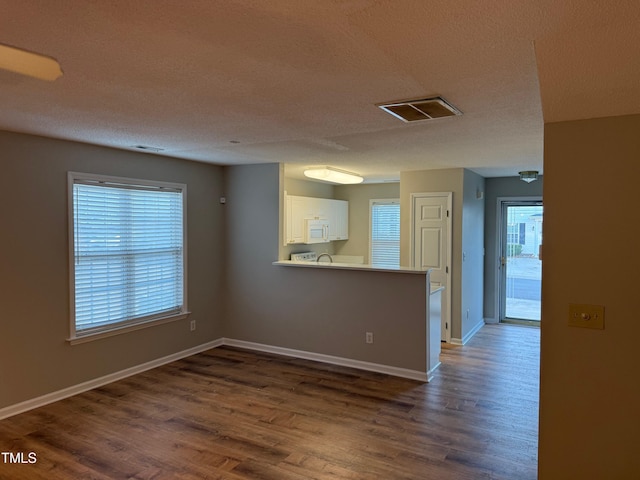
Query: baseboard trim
[[99, 382], [430, 372], [467, 337], [330, 359], [288, 352]]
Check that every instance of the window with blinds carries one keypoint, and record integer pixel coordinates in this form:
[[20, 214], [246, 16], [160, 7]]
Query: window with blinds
[[385, 233], [128, 252]]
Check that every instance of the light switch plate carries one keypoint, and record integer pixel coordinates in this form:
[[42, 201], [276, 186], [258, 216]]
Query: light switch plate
[[586, 316]]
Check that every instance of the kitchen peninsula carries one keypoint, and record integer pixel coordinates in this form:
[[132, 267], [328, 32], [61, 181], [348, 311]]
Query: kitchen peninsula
[[405, 327], [350, 266]]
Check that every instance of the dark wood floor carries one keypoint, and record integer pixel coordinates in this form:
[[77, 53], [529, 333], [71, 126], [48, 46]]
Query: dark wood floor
[[232, 414]]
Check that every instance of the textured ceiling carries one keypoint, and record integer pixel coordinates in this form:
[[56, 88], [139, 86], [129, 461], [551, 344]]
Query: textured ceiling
[[297, 81]]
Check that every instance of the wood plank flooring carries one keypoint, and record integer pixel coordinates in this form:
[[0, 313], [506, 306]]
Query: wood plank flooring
[[232, 414]]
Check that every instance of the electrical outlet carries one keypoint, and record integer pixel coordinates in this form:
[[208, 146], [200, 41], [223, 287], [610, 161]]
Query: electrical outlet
[[368, 337], [192, 325]]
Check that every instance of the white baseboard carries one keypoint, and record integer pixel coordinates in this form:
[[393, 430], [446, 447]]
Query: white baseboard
[[330, 359], [113, 377], [98, 382], [430, 372], [467, 337]]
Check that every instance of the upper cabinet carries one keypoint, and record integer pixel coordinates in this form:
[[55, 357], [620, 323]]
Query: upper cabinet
[[298, 209], [338, 219], [295, 211]]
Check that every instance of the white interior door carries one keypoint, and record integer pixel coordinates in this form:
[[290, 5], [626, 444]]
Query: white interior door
[[431, 245]]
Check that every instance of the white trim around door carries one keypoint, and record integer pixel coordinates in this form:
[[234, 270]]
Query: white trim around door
[[441, 198]]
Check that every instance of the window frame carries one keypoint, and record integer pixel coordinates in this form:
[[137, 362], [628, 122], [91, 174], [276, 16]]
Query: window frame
[[372, 203], [123, 326]]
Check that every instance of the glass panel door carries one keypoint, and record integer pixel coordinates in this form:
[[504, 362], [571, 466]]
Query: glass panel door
[[521, 267]]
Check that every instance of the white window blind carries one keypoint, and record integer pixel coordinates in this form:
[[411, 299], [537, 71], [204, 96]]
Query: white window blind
[[385, 233], [128, 252]]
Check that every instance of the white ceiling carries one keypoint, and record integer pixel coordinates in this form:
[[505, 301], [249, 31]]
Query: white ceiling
[[297, 81]]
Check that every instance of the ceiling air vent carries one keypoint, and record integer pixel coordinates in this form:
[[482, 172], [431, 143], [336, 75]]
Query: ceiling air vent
[[423, 109]]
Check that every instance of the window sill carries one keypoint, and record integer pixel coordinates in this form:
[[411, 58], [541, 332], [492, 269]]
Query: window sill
[[89, 337]]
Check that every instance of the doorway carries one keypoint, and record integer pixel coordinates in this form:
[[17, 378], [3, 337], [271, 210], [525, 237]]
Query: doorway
[[520, 263], [431, 238]]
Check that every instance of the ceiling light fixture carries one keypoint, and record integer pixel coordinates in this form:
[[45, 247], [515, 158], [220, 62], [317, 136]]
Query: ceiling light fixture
[[528, 175], [333, 175], [28, 63]]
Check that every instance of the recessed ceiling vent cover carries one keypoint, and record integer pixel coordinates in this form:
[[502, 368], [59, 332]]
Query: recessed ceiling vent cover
[[423, 109]]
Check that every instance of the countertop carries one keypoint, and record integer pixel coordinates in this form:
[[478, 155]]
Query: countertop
[[350, 266]]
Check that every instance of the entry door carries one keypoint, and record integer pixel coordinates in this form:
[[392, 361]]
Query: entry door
[[431, 245], [520, 264]]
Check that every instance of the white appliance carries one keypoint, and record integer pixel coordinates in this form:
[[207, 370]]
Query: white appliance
[[304, 257], [316, 231]]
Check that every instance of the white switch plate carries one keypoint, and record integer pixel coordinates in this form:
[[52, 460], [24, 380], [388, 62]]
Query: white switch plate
[[369, 337]]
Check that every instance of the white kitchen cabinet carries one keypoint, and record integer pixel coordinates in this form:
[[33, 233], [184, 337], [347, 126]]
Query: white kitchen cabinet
[[298, 209], [318, 208], [338, 220]]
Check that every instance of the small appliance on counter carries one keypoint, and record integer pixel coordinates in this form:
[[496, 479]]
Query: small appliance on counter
[[304, 257]]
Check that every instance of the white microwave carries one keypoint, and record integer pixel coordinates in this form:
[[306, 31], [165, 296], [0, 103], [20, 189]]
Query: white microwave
[[316, 231]]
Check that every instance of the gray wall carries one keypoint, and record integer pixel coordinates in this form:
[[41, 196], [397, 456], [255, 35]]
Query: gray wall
[[308, 188], [589, 388], [233, 289], [494, 188], [321, 311], [472, 288], [34, 279]]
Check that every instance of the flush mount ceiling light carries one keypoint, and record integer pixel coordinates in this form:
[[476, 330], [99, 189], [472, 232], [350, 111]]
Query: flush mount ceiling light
[[528, 175], [333, 175], [28, 63], [422, 109]]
